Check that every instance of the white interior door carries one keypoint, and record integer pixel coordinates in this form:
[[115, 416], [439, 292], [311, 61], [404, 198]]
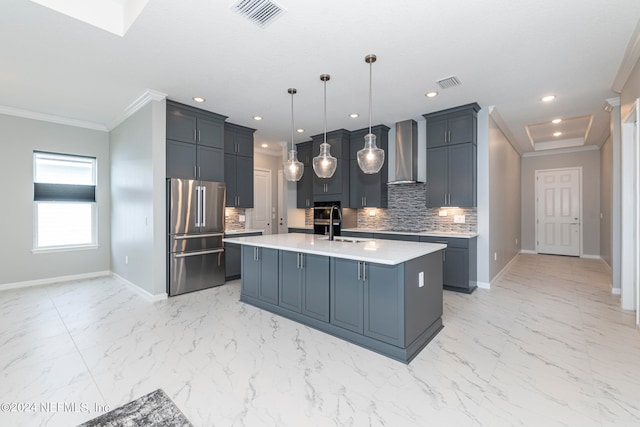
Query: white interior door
[[558, 211], [282, 205], [261, 215]]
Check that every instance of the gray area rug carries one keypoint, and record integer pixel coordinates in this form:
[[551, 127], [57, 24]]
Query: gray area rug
[[152, 410]]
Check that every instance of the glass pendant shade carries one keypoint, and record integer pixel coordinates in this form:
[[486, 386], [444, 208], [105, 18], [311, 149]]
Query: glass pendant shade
[[293, 168], [325, 164], [370, 158]]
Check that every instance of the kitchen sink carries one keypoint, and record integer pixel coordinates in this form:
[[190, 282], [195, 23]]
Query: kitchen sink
[[345, 239]]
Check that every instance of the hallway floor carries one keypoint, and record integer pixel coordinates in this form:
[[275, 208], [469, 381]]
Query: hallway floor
[[547, 345]]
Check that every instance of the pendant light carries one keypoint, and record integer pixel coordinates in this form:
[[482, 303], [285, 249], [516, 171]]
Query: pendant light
[[370, 158], [293, 168], [325, 164]]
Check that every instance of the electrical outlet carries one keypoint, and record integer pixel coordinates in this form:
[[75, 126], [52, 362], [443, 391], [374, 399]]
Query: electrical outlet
[[442, 212], [516, 242], [495, 256], [126, 259], [372, 212], [459, 219], [421, 279], [241, 218]]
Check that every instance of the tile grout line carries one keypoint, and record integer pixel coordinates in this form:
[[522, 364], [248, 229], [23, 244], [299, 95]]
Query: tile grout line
[[104, 401]]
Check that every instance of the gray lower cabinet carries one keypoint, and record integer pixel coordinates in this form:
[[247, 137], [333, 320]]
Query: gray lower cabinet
[[233, 255], [380, 307], [401, 237], [362, 235], [459, 262], [366, 298], [260, 273], [304, 284]]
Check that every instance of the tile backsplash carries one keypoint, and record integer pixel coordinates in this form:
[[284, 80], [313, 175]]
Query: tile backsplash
[[407, 211], [232, 218]]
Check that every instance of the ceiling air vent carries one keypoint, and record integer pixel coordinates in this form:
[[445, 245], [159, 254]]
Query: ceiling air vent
[[449, 82], [260, 12]]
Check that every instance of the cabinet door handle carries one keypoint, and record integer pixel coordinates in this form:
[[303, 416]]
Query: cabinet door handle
[[449, 137], [195, 171], [359, 275], [445, 199], [365, 200], [364, 271], [238, 200], [301, 261], [195, 138], [199, 172], [198, 134], [298, 261]]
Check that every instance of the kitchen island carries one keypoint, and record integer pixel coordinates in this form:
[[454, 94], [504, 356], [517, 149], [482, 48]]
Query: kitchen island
[[383, 295]]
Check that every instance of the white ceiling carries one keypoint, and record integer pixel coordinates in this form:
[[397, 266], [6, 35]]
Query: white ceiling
[[506, 53]]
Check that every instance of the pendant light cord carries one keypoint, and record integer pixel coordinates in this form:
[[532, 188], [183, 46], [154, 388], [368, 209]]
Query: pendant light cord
[[325, 111], [292, 121], [370, 93]]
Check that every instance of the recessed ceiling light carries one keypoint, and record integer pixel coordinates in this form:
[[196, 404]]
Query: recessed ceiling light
[[556, 121], [300, 130], [354, 115], [199, 99], [431, 94], [257, 117], [557, 133], [264, 145], [548, 98]]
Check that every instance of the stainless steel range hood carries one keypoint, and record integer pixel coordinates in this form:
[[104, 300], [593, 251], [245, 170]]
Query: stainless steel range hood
[[406, 153]]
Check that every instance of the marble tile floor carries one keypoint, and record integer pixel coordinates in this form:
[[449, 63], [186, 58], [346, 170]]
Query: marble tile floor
[[548, 345]]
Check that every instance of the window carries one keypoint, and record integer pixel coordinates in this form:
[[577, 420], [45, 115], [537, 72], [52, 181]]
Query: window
[[64, 196]]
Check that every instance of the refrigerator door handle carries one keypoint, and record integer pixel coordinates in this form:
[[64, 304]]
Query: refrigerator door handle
[[203, 215], [197, 236], [198, 205], [188, 254]]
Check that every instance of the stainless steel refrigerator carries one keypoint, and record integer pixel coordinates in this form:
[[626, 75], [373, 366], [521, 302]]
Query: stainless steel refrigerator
[[196, 229]]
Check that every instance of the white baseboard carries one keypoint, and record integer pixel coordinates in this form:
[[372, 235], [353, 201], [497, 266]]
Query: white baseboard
[[51, 280], [616, 291], [142, 292], [585, 256], [501, 272], [527, 251], [484, 285]]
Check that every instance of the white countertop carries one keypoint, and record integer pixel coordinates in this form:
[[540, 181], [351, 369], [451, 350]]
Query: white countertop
[[389, 252], [430, 233], [243, 231]]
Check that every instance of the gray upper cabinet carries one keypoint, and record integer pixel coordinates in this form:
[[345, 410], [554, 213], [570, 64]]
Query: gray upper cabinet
[[194, 143], [336, 188], [304, 193], [368, 190], [453, 126], [238, 160], [452, 157]]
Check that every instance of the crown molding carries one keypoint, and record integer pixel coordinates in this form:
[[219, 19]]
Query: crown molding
[[629, 61], [148, 96], [561, 151], [51, 118], [502, 125]]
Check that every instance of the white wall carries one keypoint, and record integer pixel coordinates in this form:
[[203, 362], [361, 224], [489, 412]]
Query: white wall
[[504, 200], [138, 198], [590, 163], [606, 201], [19, 137]]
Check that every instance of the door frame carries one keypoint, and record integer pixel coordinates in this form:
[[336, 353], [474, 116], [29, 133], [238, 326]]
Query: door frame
[[269, 229], [580, 194], [630, 208]]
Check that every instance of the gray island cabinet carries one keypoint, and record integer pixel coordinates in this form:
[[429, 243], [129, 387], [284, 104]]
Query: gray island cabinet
[[382, 295]]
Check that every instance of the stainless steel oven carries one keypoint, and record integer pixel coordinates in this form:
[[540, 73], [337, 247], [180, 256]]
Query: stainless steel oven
[[321, 216]]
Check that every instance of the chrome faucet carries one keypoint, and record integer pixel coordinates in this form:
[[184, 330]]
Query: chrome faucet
[[334, 207]]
